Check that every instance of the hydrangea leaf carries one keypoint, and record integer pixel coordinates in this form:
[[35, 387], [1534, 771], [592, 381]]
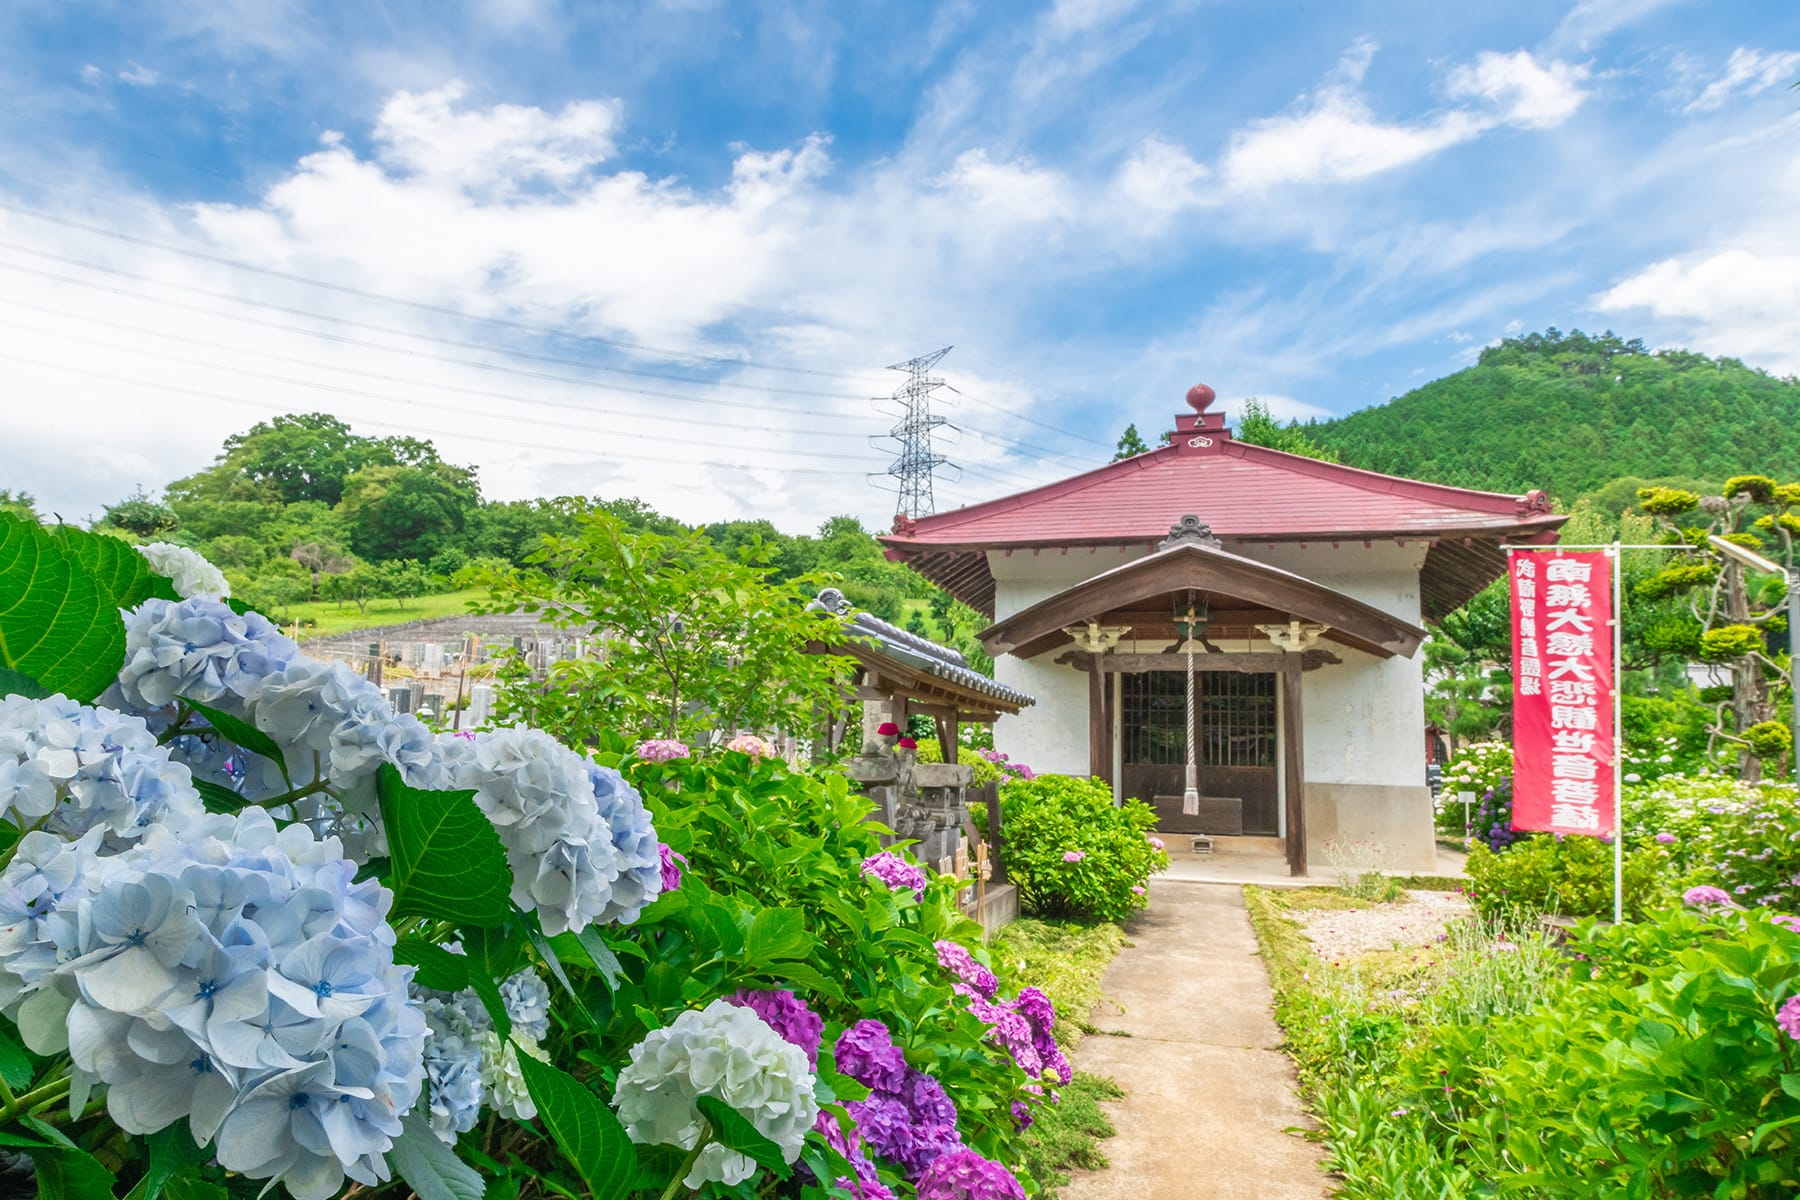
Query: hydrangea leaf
[[430, 1168], [171, 1149], [491, 999], [438, 969], [777, 933], [604, 960], [445, 859], [17, 683], [115, 565], [186, 1187], [547, 952], [15, 1064], [589, 1134], [808, 977], [70, 1174], [58, 624], [242, 733], [733, 1130], [64, 1170], [217, 797]]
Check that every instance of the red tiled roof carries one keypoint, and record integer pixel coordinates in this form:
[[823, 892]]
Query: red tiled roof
[[1245, 493]]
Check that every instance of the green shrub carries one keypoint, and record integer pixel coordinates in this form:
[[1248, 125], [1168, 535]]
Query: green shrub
[[985, 772], [1742, 837], [1569, 876], [1072, 852], [1659, 1071]]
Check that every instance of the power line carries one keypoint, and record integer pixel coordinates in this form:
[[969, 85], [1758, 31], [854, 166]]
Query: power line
[[201, 393], [397, 332], [994, 472], [359, 393], [418, 305], [324, 366]]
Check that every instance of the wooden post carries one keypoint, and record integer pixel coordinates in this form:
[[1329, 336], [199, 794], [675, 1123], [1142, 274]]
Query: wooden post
[[992, 797], [1099, 728], [946, 731], [1294, 771]]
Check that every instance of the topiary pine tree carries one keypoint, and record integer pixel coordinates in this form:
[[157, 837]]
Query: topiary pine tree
[[1735, 608]]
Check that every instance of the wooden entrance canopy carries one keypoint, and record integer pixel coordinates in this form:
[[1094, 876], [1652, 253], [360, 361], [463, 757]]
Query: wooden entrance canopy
[[1236, 595]]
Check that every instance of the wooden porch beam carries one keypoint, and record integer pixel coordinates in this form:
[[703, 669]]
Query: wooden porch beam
[[1255, 663]]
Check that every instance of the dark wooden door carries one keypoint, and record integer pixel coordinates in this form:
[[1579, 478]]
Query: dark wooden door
[[1237, 746]]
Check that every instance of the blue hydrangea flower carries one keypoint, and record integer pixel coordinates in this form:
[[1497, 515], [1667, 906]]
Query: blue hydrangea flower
[[233, 974], [198, 650], [527, 999]]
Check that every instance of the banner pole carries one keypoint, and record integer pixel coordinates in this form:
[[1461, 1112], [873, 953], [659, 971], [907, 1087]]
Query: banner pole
[[1618, 625]]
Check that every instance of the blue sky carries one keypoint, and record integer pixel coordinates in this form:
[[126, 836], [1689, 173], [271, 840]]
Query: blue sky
[[502, 224]]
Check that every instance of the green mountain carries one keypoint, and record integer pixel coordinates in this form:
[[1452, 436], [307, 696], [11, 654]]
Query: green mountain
[[1571, 413]]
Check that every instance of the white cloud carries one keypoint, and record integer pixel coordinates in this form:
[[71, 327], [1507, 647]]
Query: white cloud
[[1590, 21], [1335, 136], [1015, 191], [1067, 18], [1160, 178], [138, 75], [1747, 73], [1743, 301], [431, 134], [1523, 92]]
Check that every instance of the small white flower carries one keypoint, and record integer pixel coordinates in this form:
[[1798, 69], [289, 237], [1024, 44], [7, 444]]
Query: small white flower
[[191, 574]]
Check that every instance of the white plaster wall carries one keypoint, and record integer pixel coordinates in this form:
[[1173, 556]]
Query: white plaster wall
[[1364, 718], [1052, 735]]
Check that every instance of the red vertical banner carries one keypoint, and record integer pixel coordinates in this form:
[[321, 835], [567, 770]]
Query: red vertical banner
[[1563, 755]]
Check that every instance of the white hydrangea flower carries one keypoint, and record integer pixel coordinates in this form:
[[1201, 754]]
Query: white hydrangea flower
[[502, 1083], [727, 1052], [191, 574]]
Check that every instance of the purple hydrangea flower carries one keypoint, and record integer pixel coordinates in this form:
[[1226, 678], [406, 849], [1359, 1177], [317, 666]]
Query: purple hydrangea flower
[[788, 1016], [1074, 856], [671, 873], [867, 1054], [960, 963], [867, 1185], [1706, 896], [966, 1175], [1022, 1117], [1666, 838], [896, 1133], [1788, 1017], [896, 872]]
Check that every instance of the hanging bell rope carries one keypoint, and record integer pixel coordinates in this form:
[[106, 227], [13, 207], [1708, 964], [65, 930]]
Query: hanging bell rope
[[1190, 795]]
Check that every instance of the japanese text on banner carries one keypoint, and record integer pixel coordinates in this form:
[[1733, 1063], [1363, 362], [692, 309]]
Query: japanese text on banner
[[1563, 752]]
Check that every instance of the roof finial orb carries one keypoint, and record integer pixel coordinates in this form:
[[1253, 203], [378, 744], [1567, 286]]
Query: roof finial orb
[[1199, 396]]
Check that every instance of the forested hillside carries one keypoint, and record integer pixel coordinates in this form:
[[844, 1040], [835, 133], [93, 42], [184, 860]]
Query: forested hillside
[[301, 508], [1570, 413]]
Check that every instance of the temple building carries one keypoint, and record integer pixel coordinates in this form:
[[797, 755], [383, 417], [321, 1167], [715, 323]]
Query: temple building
[[1279, 599]]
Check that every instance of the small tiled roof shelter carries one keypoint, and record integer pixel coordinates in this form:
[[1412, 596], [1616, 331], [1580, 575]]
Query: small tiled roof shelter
[[900, 675], [1309, 583]]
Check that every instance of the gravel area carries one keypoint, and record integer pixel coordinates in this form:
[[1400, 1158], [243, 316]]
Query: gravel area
[[1339, 933]]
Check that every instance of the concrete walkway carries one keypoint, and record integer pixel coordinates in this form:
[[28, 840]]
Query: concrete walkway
[[1207, 1094]]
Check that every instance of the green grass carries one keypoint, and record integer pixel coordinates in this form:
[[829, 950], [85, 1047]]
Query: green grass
[[329, 617], [1065, 961], [1067, 1135]]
